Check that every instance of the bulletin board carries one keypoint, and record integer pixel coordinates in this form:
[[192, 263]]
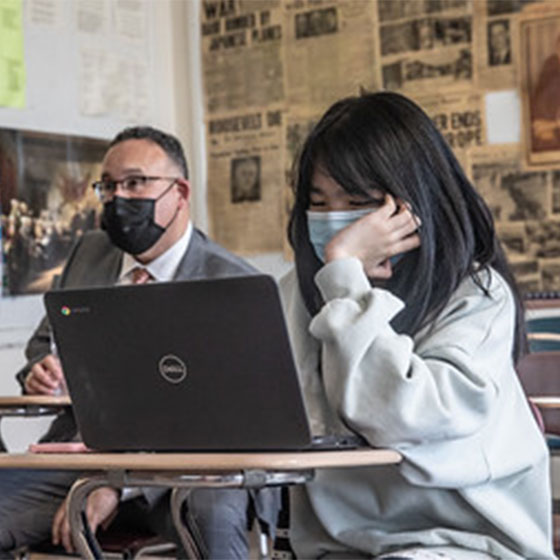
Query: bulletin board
[[89, 65]]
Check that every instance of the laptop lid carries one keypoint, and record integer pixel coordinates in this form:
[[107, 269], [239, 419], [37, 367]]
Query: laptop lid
[[195, 365]]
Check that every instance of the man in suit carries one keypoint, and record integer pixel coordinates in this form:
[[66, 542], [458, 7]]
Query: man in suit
[[148, 237]]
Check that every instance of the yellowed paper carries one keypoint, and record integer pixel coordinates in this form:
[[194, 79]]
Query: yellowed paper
[[12, 63], [526, 209], [425, 46], [245, 180], [329, 50], [242, 62], [496, 48], [298, 125], [460, 118]]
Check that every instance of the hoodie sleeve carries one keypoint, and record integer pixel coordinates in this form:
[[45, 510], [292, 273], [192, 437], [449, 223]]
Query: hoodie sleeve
[[401, 392]]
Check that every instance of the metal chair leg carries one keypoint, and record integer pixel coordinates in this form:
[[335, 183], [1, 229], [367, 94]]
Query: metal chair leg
[[264, 551], [178, 497]]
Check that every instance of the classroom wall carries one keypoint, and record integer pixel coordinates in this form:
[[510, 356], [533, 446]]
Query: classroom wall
[[53, 95], [177, 96]]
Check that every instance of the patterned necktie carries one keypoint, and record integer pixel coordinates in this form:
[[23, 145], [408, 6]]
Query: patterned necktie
[[141, 275]]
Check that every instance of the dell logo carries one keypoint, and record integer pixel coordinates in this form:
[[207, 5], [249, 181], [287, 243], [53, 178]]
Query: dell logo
[[172, 368]]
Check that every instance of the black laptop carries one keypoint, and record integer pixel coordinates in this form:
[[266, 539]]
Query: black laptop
[[182, 366]]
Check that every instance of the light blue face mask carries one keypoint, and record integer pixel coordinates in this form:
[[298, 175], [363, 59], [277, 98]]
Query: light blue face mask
[[323, 226]]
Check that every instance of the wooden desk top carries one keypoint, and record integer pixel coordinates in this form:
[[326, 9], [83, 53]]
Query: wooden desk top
[[193, 462], [34, 400]]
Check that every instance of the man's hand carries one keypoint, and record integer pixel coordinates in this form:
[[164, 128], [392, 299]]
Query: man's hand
[[46, 378], [101, 504]]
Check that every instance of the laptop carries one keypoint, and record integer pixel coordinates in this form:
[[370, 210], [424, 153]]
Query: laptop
[[202, 365]]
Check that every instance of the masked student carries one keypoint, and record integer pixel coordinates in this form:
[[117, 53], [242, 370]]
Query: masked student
[[147, 236], [406, 325]]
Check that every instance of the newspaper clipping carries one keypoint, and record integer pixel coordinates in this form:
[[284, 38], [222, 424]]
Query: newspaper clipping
[[245, 180], [460, 118], [526, 208], [539, 31], [241, 54], [298, 125], [424, 45], [497, 49], [329, 50]]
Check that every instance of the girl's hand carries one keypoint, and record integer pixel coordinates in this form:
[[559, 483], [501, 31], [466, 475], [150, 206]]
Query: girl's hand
[[375, 238]]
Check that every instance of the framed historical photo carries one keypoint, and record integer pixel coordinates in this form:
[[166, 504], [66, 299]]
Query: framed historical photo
[[46, 204], [539, 35]]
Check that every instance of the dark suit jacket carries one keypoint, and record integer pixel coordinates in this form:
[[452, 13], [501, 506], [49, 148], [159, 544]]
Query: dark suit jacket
[[94, 261]]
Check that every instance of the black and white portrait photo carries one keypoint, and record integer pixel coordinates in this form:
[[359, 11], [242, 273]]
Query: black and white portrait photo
[[499, 43], [245, 179]]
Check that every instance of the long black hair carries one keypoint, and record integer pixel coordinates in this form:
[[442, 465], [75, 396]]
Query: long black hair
[[385, 141]]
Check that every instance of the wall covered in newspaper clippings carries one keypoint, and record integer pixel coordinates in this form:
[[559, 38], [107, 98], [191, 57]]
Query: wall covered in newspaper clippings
[[460, 118], [329, 51], [272, 67], [246, 177], [498, 51], [242, 59], [298, 124], [425, 46], [526, 207], [243, 72]]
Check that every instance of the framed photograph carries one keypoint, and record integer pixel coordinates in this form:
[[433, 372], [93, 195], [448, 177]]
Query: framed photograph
[[46, 203], [540, 87]]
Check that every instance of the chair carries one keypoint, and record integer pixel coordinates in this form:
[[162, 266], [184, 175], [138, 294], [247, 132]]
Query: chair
[[539, 372], [114, 546], [281, 548]]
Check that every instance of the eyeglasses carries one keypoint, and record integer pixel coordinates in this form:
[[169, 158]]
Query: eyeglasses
[[133, 185]]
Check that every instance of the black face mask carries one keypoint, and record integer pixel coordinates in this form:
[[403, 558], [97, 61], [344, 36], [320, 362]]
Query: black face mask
[[130, 223]]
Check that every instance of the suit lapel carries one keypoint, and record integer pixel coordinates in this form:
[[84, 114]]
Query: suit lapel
[[108, 270], [189, 265]]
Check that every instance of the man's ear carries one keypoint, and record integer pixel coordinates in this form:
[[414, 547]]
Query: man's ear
[[184, 188]]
